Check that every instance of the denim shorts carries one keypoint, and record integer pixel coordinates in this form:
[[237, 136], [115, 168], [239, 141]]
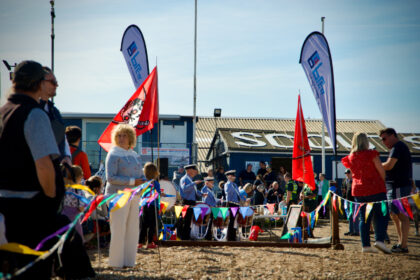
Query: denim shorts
[[393, 193]]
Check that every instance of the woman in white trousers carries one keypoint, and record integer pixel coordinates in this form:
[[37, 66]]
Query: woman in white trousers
[[123, 170]]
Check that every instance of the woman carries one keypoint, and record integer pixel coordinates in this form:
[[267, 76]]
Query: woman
[[368, 186], [123, 170]]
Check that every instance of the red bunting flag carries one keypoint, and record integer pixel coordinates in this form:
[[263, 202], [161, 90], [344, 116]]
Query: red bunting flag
[[407, 207], [141, 111], [302, 163]]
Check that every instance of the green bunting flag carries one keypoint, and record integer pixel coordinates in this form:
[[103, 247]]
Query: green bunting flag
[[286, 236], [384, 208], [224, 211], [215, 212]]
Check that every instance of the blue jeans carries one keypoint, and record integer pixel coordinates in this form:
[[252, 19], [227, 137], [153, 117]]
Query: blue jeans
[[381, 221], [354, 226]]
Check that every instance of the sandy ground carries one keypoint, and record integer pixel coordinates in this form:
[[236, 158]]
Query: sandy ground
[[270, 263]]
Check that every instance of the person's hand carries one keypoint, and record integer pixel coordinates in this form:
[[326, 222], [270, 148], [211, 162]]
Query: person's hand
[[205, 194], [198, 181], [275, 193]]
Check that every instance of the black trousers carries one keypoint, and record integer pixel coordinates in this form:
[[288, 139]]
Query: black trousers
[[209, 234], [148, 224], [185, 223], [231, 234]]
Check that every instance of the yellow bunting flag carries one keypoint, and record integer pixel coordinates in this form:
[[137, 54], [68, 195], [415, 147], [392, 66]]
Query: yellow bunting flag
[[416, 199], [178, 210], [327, 197], [81, 187], [339, 205], [161, 236], [316, 217], [368, 209], [20, 249], [122, 201]]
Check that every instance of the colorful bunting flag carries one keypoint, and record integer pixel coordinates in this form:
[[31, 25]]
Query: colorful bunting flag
[[270, 208], [224, 211], [407, 207], [416, 199], [234, 210], [197, 212], [398, 204], [178, 210], [184, 210], [20, 249], [215, 212], [369, 207], [204, 211]]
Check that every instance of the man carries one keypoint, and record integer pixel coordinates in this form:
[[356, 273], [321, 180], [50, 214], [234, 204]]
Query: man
[[30, 187], [262, 169], [346, 189], [309, 198], [189, 195], [54, 115], [210, 199], [291, 190], [399, 183], [323, 187], [178, 174], [207, 191], [274, 195], [79, 157], [270, 176], [233, 199], [247, 175]]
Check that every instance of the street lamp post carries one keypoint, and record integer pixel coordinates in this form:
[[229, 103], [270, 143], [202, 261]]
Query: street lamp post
[[217, 114]]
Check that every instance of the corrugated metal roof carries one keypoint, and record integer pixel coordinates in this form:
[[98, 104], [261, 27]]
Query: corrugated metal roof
[[206, 127]]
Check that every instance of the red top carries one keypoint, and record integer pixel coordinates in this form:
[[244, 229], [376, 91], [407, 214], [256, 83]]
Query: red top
[[81, 160], [366, 179]]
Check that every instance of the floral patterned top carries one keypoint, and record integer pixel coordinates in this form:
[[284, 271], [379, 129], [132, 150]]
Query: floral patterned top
[[366, 179]]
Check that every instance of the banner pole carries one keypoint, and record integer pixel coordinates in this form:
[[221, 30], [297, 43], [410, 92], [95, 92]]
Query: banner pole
[[194, 152], [323, 124]]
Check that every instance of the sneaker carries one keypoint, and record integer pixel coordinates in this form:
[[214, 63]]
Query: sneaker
[[381, 246], [369, 250], [400, 249], [354, 234], [151, 245], [347, 233], [395, 246]]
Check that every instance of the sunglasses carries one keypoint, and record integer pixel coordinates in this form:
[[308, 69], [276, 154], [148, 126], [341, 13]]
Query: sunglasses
[[383, 139], [53, 82]]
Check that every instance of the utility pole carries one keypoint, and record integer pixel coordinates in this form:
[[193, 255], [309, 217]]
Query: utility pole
[[194, 144]]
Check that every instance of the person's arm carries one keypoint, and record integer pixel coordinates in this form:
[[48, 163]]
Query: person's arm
[[46, 175], [379, 167], [85, 165], [389, 163]]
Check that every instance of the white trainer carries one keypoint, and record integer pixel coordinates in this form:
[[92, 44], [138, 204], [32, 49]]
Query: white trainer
[[381, 246], [369, 250]]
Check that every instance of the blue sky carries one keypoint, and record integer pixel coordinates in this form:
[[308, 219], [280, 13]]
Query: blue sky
[[248, 53]]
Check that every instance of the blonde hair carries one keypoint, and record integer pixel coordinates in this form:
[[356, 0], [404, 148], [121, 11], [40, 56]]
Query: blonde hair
[[150, 171], [248, 187], [359, 142], [127, 129]]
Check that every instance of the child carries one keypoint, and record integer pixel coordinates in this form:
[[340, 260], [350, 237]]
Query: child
[[72, 205], [99, 215], [148, 217]]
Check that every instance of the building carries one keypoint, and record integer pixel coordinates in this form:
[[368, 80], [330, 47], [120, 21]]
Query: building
[[174, 132], [235, 142]]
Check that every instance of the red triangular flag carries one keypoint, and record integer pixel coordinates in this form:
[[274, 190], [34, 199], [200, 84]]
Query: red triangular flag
[[184, 211], [407, 207], [141, 111], [302, 164]]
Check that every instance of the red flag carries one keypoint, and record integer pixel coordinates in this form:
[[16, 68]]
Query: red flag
[[302, 164], [141, 111]]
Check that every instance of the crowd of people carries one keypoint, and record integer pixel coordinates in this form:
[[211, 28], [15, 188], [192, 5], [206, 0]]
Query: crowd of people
[[44, 155]]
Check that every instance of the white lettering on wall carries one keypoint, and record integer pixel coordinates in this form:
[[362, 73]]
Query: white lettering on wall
[[250, 142], [272, 141], [410, 139], [328, 144]]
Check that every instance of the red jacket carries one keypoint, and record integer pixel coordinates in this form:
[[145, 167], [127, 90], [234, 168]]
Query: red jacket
[[81, 159]]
